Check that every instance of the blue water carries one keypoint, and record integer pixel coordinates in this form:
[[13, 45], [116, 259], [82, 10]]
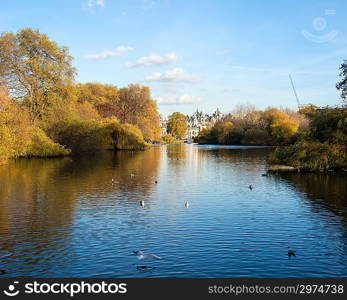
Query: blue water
[[64, 218]]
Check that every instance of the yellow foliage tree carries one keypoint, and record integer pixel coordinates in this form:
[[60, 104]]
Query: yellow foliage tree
[[177, 125], [33, 68], [18, 137], [281, 127]]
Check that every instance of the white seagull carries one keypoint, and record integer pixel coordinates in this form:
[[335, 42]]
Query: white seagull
[[187, 204], [141, 255]]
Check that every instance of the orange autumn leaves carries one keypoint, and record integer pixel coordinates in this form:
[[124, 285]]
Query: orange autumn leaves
[[40, 99]]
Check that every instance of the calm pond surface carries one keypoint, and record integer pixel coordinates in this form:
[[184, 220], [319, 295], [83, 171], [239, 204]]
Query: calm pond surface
[[64, 218]]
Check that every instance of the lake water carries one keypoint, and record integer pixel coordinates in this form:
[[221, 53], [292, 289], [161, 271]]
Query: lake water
[[64, 218]]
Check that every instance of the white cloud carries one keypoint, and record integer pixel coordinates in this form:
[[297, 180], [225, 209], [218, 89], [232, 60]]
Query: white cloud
[[119, 51], [154, 59], [147, 4], [100, 3], [185, 99], [176, 74], [92, 3]]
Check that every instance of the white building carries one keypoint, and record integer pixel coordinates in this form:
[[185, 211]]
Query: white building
[[163, 125], [196, 122], [199, 121], [192, 132]]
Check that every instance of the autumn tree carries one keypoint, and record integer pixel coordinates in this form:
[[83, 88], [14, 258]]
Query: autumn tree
[[280, 126], [100, 97], [135, 106], [97, 93], [34, 69], [132, 101], [177, 125], [342, 85], [17, 135], [243, 109], [14, 127]]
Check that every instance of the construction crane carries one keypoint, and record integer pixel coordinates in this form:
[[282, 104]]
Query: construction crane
[[296, 95]]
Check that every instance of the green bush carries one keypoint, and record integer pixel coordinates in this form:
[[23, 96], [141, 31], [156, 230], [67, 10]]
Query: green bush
[[206, 136], [121, 136], [78, 136], [311, 155], [93, 135], [42, 146], [235, 136], [255, 136], [330, 125], [323, 147]]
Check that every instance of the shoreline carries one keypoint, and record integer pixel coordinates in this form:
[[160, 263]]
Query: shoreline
[[272, 169]]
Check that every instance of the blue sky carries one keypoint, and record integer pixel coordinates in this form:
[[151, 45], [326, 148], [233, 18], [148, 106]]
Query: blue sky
[[198, 54]]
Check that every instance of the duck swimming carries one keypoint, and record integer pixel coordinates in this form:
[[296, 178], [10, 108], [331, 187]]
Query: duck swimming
[[291, 253], [144, 268]]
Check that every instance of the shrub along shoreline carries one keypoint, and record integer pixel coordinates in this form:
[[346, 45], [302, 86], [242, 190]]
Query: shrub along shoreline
[[323, 147], [311, 140], [19, 137]]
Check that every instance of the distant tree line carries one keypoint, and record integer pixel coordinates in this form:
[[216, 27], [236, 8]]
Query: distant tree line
[[247, 125], [311, 139]]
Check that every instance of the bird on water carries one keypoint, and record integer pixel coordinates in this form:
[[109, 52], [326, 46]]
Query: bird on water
[[291, 252], [250, 187], [144, 268], [142, 203], [187, 204]]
